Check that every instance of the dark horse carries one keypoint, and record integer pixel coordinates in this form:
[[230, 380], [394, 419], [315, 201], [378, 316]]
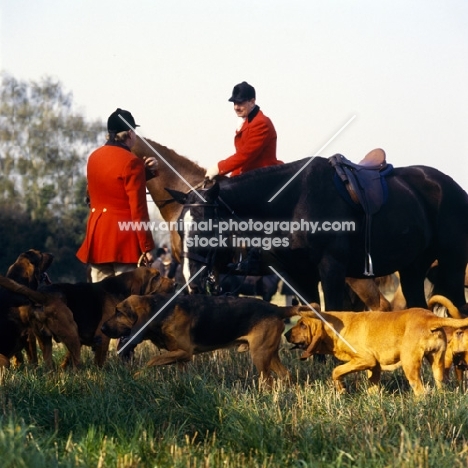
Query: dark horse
[[425, 218], [265, 286]]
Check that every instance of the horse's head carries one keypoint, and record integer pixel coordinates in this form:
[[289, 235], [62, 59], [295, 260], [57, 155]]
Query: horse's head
[[198, 228]]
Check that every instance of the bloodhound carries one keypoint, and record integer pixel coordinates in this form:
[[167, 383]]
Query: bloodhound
[[193, 324], [91, 304], [29, 270], [376, 341]]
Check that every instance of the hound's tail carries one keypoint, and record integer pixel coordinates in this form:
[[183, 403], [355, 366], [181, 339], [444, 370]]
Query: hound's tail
[[291, 311], [455, 319], [452, 310], [13, 286]]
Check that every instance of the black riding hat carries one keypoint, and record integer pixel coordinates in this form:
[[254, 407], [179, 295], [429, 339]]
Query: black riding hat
[[115, 124], [242, 92]]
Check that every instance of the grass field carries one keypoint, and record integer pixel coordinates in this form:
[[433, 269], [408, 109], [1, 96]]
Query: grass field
[[213, 414]]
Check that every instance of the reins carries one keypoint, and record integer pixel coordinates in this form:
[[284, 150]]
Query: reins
[[167, 201]]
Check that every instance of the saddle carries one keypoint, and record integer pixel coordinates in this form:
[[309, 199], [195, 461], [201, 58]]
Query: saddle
[[365, 188], [365, 181]]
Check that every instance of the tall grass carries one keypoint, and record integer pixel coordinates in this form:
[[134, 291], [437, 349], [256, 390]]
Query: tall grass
[[212, 413]]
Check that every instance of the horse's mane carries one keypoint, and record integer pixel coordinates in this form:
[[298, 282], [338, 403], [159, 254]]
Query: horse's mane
[[183, 169], [184, 164]]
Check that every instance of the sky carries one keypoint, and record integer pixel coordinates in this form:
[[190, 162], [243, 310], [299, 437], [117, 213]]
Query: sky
[[335, 76]]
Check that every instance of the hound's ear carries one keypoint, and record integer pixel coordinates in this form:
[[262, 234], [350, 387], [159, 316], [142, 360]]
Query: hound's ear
[[179, 197], [154, 285], [138, 285], [312, 346]]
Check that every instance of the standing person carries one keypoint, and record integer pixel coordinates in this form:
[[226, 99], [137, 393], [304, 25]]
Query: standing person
[[117, 193], [255, 139], [160, 262]]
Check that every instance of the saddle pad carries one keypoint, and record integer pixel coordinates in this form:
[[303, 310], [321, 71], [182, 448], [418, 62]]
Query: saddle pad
[[370, 200]]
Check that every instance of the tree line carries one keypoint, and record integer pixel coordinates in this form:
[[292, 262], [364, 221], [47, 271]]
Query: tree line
[[44, 145]]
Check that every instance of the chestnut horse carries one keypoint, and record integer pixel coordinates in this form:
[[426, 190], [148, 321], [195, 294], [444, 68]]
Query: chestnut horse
[[172, 170]]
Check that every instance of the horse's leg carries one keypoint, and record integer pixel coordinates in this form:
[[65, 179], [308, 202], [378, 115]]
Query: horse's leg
[[450, 280], [307, 284], [368, 291], [302, 278], [333, 276], [412, 285]]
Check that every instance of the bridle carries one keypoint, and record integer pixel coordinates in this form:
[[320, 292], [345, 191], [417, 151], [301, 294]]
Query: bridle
[[209, 279], [208, 260]]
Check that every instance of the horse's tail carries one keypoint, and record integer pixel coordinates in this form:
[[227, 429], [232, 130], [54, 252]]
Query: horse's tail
[[17, 288], [452, 310]]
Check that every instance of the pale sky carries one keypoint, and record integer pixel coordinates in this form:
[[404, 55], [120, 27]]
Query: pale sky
[[400, 67]]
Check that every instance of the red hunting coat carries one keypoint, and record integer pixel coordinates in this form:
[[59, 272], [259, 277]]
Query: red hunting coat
[[117, 190], [255, 146]]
